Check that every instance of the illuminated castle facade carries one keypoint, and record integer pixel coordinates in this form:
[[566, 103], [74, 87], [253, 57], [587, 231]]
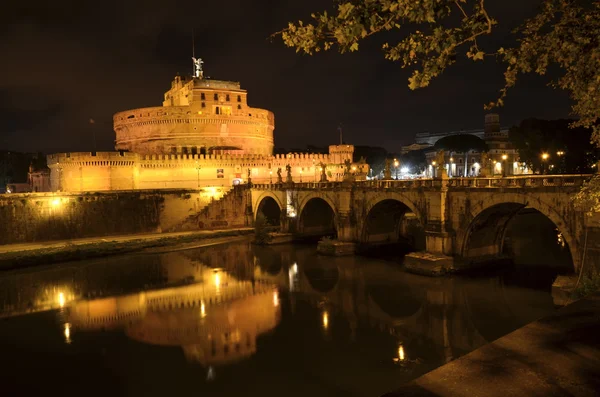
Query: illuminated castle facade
[[204, 134]]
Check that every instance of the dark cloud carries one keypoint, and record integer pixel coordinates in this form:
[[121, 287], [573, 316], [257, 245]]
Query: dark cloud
[[68, 61]]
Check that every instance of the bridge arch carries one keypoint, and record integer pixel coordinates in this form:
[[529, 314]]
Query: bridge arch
[[267, 204], [490, 219], [316, 216], [386, 217]]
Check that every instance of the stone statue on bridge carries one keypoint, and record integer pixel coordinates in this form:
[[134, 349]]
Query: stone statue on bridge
[[288, 169], [323, 173], [279, 178], [387, 171], [440, 159], [249, 177], [485, 163]]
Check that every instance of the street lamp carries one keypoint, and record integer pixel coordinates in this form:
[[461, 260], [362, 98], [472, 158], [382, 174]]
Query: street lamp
[[433, 163], [544, 158], [450, 168], [396, 164], [504, 157]]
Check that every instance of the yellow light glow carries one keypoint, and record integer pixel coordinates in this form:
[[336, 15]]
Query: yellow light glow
[[202, 309], [354, 168], [67, 333], [451, 159], [401, 353], [275, 298], [545, 156], [433, 163], [200, 112], [504, 157], [61, 299], [217, 280], [396, 163], [56, 202], [325, 320]]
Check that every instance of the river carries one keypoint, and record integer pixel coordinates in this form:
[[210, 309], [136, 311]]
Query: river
[[241, 320]]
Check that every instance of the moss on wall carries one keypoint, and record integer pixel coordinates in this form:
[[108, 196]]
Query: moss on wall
[[36, 218]]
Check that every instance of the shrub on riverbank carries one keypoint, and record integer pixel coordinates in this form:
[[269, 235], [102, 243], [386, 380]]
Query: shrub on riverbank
[[589, 284]]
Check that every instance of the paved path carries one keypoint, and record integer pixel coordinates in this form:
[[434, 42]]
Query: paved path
[[558, 355], [14, 248]]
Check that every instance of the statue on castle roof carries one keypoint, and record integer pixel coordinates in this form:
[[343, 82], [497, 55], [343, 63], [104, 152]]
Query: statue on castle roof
[[288, 169], [198, 72], [248, 173]]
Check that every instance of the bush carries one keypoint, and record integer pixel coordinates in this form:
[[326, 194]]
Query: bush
[[589, 284]]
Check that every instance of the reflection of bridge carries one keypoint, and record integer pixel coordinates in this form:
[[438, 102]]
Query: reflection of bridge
[[455, 316], [465, 218]]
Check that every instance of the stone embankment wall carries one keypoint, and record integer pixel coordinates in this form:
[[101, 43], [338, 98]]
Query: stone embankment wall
[[37, 217]]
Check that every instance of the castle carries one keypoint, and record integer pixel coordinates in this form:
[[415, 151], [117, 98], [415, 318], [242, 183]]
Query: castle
[[204, 134]]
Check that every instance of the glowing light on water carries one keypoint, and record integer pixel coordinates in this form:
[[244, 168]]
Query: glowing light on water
[[61, 299], [68, 333], [325, 320]]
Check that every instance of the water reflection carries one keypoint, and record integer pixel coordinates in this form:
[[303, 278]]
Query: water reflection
[[241, 311]]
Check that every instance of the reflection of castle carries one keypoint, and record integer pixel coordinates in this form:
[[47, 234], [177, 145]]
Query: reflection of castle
[[215, 321], [205, 134]]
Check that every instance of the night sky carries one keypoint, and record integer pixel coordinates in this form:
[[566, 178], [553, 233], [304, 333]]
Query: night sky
[[66, 62]]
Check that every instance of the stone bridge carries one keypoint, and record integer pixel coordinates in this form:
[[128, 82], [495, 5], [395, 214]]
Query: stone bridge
[[463, 218]]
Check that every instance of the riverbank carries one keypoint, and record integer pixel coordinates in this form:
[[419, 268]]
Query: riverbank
[[31, 254], [557, 355]]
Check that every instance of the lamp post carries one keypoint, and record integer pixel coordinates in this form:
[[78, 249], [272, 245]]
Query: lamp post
[[504, 157], [396, 164], [433, 163], [450, 167], [544, 159], [561, 161]]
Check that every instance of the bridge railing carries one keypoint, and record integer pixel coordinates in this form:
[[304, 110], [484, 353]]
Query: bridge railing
[[520, 181]]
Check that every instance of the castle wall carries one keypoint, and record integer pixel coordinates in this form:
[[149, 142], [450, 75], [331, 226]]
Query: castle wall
[[111, 171], [35, 217]]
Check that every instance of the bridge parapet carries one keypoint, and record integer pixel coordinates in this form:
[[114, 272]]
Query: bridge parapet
[[528, 181]]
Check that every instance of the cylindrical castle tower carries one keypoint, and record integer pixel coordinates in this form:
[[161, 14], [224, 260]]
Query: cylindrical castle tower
[[198, 116]]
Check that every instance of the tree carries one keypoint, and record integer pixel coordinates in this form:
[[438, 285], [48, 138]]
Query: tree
[[461, 144], [374, 156], [433, 33], [415, 161], [569, 151]]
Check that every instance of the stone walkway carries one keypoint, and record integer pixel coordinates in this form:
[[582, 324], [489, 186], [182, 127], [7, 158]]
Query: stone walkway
[[114, 239], [558, 355]]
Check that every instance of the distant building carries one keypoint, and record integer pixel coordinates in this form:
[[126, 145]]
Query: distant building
[[502, 158]]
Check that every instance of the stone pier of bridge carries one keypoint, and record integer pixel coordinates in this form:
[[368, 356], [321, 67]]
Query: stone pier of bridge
[[461, 221]]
